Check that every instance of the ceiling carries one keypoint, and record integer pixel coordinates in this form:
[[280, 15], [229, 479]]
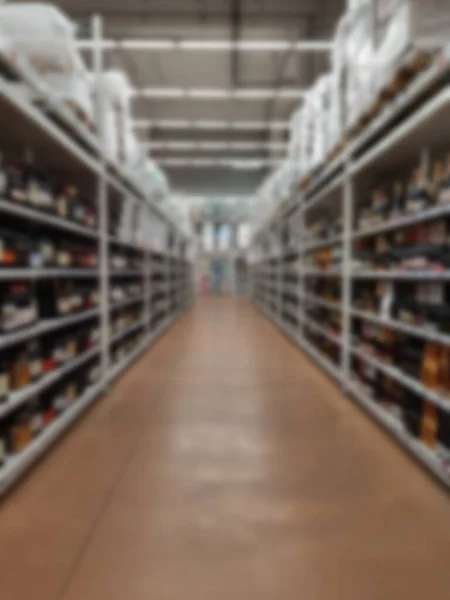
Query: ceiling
[[213, 20]]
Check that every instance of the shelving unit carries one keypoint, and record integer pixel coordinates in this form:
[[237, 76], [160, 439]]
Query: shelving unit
[[326, 323], [63, 145]]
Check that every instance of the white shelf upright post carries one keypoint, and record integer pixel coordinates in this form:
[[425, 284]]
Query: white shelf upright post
[[102, 200], [301, 273], [346, 281]]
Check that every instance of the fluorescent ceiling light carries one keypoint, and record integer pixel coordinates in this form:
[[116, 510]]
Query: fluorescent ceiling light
[[237, 125], [209, 45], [213, 145], [219, 93], [232, 163]]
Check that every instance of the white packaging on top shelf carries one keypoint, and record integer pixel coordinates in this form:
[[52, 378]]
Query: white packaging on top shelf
[[316, 116], [360, 60], [407, 29], [74, 90], [116, 94], [294, 147], [43, 34], [307, 135], [335, 120]]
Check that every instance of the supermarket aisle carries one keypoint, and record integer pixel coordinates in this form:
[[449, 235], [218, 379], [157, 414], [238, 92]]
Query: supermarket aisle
[[225, 465]]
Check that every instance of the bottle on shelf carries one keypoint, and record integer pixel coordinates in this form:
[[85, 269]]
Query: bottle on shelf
[[429, 425], [34, 353], [15, 184], [397, 207], [443, 191], [430, 369], [18, 307], [35, 418], [20, 433], [418, 196], [4, 379], [38, 190]]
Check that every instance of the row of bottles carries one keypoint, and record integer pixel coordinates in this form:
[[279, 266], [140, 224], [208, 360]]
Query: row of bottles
[[328, 289], [39, 249], [324, 345], [27, 185], [427, 362], [323, 228], [420, 418], [421, 192], [23, 364], [421, 247], [420, 304], [20, 428], [23, 303]]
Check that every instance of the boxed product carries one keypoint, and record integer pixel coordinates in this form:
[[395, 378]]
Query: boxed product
[[406, 31]]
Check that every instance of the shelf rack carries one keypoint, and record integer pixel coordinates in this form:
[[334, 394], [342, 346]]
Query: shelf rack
[[394, 140], [62, 144]]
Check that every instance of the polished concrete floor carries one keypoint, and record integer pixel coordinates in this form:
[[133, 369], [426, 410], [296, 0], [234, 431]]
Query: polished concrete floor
[[224, 465]]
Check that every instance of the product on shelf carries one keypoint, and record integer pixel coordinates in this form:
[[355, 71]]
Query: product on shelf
[[18, 307]]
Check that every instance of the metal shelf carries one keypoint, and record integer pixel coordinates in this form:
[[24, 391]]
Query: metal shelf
[[313, 326], [407, 381], [404, 221], [321, 302], [28, 213], [45, 326], [323, 243], [34, 274], [417, 331], [119, 335], [17, 399], [308, 272], [395, 140], [396, 428], [403, 275]]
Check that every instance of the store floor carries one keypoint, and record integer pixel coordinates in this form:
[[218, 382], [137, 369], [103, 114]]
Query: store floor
[[225, 465]]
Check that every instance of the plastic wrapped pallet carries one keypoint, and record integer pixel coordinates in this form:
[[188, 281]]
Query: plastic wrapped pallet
[[295, 141], [43, 34], [115, 89], [336, 113], [359, 55], [45, 38], [406, 31], [307, 134]]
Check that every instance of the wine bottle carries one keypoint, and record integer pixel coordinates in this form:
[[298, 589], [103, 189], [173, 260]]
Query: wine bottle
[[20, 431], [35, 359], [429, 425], [15, 187], [4, 380], [397, 207], [18, 306], [38, 190], [418, 195], [430, 369], [443, 192]]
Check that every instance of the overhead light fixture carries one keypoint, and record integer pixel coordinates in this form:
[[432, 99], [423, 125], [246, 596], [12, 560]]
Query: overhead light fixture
[[208, 45], [219, 93], [213, 145], [232, 163], [237, 125]]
